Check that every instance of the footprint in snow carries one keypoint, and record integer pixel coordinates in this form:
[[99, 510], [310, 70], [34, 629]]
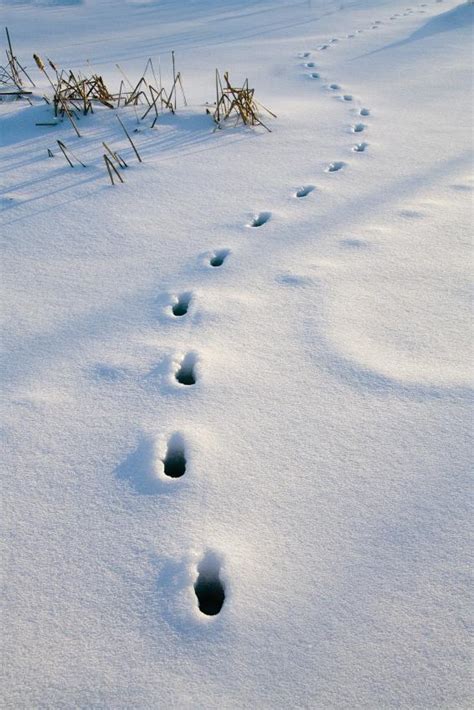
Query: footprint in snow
[[174, 461], [304, 55], [260, 219], [209, 589], [289, 279], [335, 167], [310, 65], [322, 47], [186, 372], [354, 244], [334, 87], [358, 128], [219, 257], [181, 305], [347, 97], [314, 75], [364, 112], [304, 191], [411, 214], [360, 147]]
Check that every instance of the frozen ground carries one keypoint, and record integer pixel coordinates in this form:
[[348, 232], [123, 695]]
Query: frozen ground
[[326, 437]]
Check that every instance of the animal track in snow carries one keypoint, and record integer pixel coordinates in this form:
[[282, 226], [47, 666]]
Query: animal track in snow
[[323, 47], [186, 374], [219, 257], [303, 55], [260, 219], [174, 462], [364, 112], [180, 308], [304, 191], [360, 147], [334, 87], [358, 128], [334, 167], [310, 65], [354, 244], [209, 589], [314, 75], [347, 97]]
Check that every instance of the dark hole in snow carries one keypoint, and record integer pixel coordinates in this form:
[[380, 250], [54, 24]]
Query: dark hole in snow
[[181, 307], [260, 219], [334, 167], [334, 87], [364, 112], [175, 459], [219, 258], [358, 128], [209, 589], [185, 375], [304, 191]]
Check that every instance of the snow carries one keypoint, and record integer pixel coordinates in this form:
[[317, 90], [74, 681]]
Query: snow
[[327, 435]]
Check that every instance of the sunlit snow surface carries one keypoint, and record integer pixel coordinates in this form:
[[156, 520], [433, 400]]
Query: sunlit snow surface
[[240, 381]]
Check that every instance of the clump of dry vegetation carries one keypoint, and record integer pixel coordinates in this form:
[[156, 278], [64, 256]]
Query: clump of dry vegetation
[[237, 102], [74, 93]]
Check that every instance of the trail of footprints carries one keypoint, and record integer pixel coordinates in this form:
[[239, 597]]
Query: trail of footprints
[[375, 25], [208, 586], [361, 147]]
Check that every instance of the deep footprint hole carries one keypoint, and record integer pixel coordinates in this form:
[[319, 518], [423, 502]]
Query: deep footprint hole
[[364, 112], [304, 191], [260, 219], [208, 587], [181, 307], [334, 87], [334, 167], [358, 128], [219, 257], [175, 460], [186, 373], [360, 147]]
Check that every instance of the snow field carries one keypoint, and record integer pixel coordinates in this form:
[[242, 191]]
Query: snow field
[[283, 316]]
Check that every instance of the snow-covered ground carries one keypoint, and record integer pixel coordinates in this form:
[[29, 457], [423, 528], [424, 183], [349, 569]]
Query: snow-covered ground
[[326, 437]]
